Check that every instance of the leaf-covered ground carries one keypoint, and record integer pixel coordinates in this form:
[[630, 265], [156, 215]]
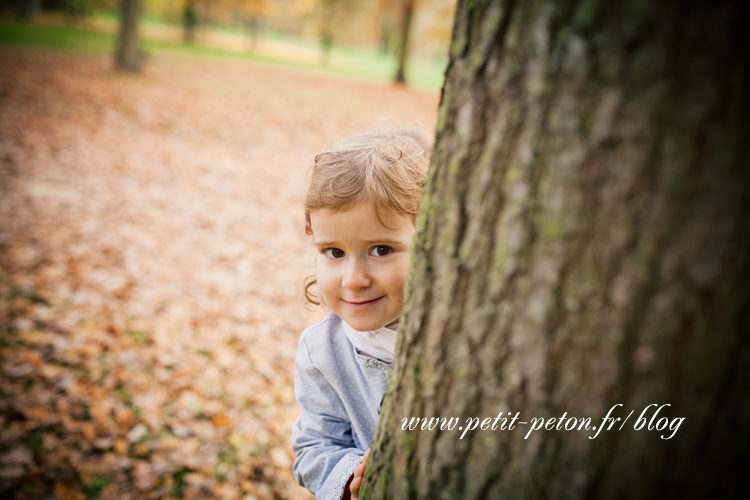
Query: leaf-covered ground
[[152, 255]]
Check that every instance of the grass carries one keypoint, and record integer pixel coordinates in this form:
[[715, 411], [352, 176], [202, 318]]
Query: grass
[[364, 64], [66, 38]]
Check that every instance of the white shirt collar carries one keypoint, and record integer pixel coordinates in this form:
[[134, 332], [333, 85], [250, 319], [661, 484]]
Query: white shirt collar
[[380, 343]]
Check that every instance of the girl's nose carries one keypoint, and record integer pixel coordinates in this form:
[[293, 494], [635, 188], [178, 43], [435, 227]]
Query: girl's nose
[[355, 275]]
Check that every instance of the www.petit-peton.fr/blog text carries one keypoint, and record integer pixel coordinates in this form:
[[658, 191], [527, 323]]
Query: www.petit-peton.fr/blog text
[[647, 420]]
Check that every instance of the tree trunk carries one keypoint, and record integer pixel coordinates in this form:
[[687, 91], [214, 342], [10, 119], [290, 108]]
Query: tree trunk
[[385, 37], [403, 49], [326, 32], [583, 243], [74, 10], [27, 9], [189, 22], [251, 33], [129, 53]]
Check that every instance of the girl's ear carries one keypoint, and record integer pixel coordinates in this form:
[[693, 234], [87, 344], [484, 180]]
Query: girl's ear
[[308, 230]]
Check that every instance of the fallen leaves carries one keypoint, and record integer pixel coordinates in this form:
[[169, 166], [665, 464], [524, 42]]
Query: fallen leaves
[[151, 274]]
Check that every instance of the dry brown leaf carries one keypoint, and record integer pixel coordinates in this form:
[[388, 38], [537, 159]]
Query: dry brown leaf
[[64, 492]]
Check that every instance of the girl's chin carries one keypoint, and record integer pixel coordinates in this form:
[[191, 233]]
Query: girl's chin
[[365, 325]]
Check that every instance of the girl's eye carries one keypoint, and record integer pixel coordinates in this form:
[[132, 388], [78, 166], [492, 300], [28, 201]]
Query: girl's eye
[[381, 251], [333, 253]]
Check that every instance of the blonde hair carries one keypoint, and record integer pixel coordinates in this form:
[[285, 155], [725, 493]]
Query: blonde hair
[[386, 167]]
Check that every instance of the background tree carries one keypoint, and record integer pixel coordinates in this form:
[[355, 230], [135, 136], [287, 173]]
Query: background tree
[[327, 8], [76, 10], [129, 55], [250, 13], [583, 243], [26, 9], [336, 18], [403, 44], [189, 21]]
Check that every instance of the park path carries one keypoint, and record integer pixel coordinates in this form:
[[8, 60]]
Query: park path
[[152, 254]]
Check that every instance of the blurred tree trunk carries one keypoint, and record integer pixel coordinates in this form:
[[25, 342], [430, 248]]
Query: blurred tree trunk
[[129, 54], [326, 31], [251, 33], [189, 21], [403, 49], [26, 9], [74, 10], [385, 36], [583, 243]]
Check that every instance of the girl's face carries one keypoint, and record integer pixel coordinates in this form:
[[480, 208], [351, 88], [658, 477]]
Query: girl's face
[[362, 266]]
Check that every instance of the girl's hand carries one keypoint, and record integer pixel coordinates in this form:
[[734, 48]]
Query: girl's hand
[[359, 473]]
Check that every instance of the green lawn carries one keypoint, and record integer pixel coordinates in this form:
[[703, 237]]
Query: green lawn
[[352, 62], [57, 37]]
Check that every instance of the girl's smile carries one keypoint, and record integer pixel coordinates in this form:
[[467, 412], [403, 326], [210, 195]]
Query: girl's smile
[[362, 304], [362, 264]]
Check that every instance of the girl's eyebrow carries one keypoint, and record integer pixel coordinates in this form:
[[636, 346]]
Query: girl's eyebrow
[[384, 242], [368, 242], [324, 243]]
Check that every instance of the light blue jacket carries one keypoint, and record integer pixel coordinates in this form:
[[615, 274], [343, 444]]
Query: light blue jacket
[[339, 392]]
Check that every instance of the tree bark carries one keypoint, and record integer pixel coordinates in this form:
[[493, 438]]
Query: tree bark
[[403, 49], [129, 54], [583, 243]]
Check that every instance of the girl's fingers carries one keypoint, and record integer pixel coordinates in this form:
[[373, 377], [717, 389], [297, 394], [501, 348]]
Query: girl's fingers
[[360, 469], [354, 487], [359, 472]]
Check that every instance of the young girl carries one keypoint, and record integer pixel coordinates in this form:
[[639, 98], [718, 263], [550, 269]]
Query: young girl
[[360, 209]]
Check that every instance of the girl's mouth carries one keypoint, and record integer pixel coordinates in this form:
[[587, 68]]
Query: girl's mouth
[[363, 305]]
